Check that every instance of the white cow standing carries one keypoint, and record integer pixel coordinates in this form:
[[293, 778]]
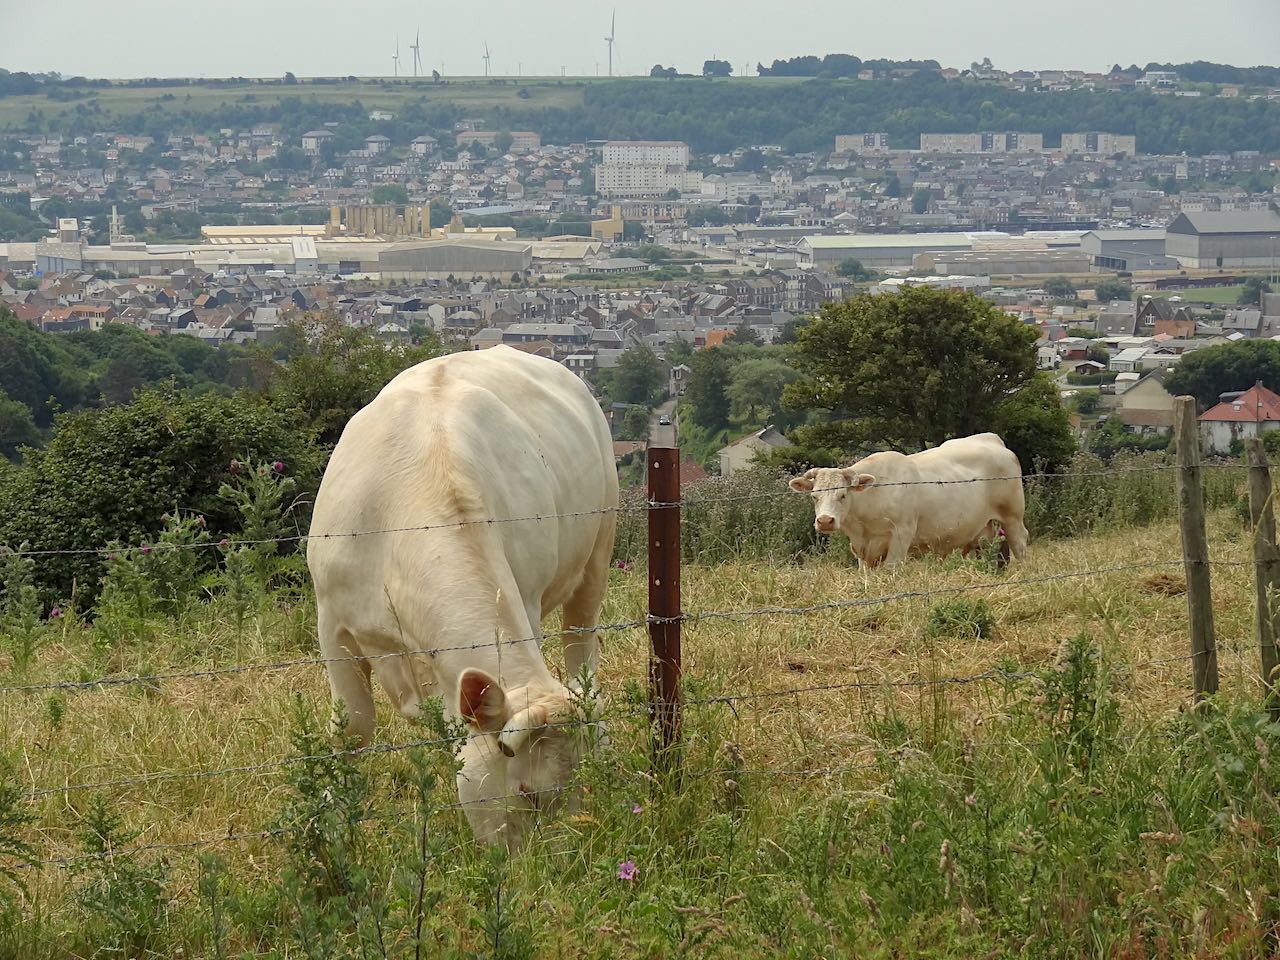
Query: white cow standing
[[450, 444], [889, 507]]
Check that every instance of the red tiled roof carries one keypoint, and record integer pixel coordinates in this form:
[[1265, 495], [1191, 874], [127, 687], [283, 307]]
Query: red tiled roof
[[1255, 405]]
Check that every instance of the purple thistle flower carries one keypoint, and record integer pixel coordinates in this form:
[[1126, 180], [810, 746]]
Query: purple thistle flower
[[234, 467], [224, 543], [278, 466], [637, 809], [55, 613], [146, 549], [200, 522], [627, 870]]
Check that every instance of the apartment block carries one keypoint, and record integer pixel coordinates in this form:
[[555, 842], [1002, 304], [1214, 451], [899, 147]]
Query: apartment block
[[1105, 144], [982, 142], [861, 143]]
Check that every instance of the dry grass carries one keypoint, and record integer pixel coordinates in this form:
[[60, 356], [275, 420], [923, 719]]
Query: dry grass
[[204, 724]]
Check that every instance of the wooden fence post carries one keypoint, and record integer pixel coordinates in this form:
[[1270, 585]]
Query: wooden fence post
[[1266, 562], [664, 600], [1195, 548]]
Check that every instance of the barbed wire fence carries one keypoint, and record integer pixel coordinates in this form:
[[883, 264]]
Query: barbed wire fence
[[666, 618]]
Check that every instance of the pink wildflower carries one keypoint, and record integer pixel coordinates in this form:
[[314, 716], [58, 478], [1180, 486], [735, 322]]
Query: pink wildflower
[[278, 466], [55, 613], [234, 466], [637, 809], [146, 549], [627, 870]]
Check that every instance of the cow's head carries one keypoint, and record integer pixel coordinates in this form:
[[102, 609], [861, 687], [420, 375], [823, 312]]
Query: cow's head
[[520, 761], [832, 491]]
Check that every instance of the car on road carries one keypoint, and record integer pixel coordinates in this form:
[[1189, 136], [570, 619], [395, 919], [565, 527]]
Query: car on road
[[664, 420]]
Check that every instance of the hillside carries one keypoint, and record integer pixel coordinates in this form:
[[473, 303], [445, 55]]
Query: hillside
[[800, 114], [975, 794]]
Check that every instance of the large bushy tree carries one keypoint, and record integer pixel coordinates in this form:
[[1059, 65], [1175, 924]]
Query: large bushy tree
[[710, 373], [638, 376], [1204, 374], [916, 368]]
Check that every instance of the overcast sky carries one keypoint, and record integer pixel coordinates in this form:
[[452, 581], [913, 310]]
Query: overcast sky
[[131, 38]]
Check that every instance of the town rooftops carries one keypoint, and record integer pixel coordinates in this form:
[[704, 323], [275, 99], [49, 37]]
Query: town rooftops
[[1255, 405]]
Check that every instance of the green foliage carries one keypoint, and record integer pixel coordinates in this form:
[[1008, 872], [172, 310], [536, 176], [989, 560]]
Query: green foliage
[[123, 898], [1204, 374], [711, 372], [17, 428], [33, 370], [1112, 289], [913, 369], [21, 612], [390, 193], [638, 377], [1034, 425], [921, 199], [756, 386], [635, 424], [1251, 292], [717, 68], [16, 855], [1060, 288], [961, 619], [333, 370], [1086, 401], [113, 474]]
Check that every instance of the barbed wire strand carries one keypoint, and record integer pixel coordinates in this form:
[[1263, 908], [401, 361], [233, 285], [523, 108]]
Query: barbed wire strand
[[647, 505], [106, 682]]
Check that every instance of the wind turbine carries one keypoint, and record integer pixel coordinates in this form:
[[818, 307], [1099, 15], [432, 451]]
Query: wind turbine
[[613, 23], [486, 59], [417, 59], [395, 57]]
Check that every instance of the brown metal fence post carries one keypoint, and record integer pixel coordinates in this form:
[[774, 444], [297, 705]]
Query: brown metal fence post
[[1195, 548], [1266, 562], [664, 601]]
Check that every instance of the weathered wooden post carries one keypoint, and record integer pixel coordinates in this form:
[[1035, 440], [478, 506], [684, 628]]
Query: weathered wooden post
[[664, 600], [1195, 548], [1266, 564]]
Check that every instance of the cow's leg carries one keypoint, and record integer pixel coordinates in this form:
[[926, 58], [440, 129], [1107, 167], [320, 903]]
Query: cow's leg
[[348, 678], [582, 609], [899, 545]]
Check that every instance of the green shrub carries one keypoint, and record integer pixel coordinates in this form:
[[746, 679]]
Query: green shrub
[[113, 474], [961, 618]]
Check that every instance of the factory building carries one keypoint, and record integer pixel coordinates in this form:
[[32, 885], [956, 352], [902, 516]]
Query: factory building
[[1212, 240]]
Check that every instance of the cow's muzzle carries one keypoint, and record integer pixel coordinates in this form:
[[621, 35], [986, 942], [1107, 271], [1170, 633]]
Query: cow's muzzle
[[825, 524]]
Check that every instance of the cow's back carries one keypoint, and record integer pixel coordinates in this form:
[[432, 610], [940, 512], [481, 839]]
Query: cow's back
[[454, 442]]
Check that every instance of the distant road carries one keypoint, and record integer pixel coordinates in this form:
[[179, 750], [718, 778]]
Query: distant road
[[663, 436]]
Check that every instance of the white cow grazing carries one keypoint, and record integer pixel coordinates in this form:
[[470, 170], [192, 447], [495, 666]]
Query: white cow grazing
[[451, 443], [886, 507]]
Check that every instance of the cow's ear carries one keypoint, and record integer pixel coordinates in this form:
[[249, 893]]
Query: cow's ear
[[859, 481], [804, 482], [481, 701]]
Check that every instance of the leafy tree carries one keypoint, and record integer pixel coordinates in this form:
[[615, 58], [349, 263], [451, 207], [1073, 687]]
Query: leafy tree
[[638, 376], [1251, 295], [909, 369], [920, 200], [35, 369], [658, 70], [441, 212], [710, 373], [1112, 288], [751, 161], [854, 269], [502, 142], [632, 230], [635, 424], [756, 386], [1205, 374], [333, 370], [1060, 288], [893, 188], [112, 474], [17, 427], [744, 333], [717, 68], [390, 193], [680, 351], [289, 77], [1034, 425]]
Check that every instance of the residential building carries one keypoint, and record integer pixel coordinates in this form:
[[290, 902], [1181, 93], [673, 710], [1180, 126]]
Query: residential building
[[1147, 407], [982, 142], [314, 140], [646, 152], [862, 143], [742, 453], [1248, 413], [1106, 144], [645, 168]]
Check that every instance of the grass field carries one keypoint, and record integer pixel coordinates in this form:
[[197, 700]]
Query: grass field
[[1069, 807], [115, 102], [1219, 296]]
